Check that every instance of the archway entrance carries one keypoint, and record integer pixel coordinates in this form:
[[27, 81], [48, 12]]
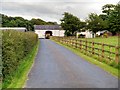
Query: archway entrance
[[48, 34]]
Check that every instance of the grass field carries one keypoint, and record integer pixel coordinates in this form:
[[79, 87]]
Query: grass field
[[110, 40]]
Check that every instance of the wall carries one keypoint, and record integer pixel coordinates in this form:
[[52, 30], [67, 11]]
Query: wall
[[41, 33], [87, 34], [62, 33]]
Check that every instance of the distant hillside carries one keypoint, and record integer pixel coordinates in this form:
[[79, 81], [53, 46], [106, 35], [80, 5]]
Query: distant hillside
[[8, 21]]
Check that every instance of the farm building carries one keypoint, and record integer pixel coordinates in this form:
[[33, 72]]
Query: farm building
[[86, 34], [23, 29], [100, 33], [44, 31]]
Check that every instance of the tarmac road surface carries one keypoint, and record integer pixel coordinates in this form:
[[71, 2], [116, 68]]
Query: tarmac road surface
[[58, 67]]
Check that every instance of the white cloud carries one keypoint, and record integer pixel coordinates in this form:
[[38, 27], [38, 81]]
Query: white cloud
[[108, 1], [52, 10]]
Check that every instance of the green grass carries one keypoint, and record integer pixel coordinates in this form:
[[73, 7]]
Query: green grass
[[20, 76], [113, 40], [109, 69]]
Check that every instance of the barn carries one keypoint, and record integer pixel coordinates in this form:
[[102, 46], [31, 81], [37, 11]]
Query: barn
[[22, 29], [86, 34], [52, 30]]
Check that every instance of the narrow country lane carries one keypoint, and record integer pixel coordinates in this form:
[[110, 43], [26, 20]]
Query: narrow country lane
[[58, 67]]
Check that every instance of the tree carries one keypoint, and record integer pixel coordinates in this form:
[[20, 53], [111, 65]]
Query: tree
[[82, 26], [95, 23], [37, 21], [70, 24], [21, 22], [108, 8], [114, 20], [112, 16], [29, 26], [52, 23], [103, 16], [12, 23]]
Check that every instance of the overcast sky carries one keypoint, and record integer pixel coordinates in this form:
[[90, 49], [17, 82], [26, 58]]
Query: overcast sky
[[52, 10]]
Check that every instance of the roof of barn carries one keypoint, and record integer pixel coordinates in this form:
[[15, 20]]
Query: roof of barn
[[14, 28]]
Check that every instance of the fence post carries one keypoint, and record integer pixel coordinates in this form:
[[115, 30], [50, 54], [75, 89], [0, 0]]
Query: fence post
[[102, 50], [117, 54], [72, 42], [92, 47], [76, 43], [57, 39], [67, 41], [80, 44], [86, 46], [62, 39], [110, 52]]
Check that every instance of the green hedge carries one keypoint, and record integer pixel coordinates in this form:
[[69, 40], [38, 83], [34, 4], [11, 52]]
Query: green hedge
[[15, 46]]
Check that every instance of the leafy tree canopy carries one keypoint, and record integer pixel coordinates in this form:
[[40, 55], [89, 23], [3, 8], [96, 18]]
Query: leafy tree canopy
[[8, 21], [114, 20], [71, 24], [108, 8], [95, 23]]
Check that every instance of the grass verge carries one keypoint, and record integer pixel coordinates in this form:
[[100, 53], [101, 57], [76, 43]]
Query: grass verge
[[20, 76], [109, 69]]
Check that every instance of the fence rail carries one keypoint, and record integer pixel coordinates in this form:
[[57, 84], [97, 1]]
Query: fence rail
[[101, 51]]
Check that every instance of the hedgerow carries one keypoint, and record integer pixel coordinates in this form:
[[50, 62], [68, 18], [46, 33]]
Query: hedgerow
[[15, 46]]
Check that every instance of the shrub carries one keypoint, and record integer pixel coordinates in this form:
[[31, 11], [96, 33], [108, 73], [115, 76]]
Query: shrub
[[105, 35], [15, 46]]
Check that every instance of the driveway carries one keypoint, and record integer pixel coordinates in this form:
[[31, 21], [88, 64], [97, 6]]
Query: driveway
[[58, 67]]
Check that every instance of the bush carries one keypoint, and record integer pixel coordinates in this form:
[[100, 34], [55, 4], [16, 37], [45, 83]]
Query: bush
[[15, 46], [105, 35]]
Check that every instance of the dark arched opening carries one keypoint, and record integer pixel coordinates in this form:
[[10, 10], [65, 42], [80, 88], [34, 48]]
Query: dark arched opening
[[48, 34]]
